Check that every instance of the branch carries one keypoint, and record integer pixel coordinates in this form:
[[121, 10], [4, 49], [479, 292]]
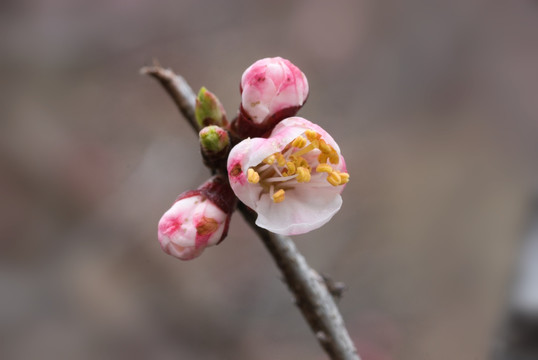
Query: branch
[[310, 290], [178, 89]]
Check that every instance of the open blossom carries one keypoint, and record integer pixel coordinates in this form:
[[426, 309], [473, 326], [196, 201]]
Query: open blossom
[[272, 89], [292, 179], [197, 219]]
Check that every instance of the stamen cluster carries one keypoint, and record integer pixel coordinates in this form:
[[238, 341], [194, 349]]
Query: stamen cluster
[[287, 168]]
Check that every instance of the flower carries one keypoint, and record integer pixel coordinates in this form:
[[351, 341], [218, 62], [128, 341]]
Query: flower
[[292, 179], [272, 89], [198, 219]]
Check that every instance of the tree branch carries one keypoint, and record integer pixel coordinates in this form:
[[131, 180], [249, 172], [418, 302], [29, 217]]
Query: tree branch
[[310, 290], [178, 89]]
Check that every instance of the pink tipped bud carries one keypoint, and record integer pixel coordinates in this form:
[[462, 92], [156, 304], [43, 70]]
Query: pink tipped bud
[[189, 226], [272, 89], [198, 219]]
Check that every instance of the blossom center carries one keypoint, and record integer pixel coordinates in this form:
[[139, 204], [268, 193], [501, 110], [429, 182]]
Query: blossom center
[[306, 159]]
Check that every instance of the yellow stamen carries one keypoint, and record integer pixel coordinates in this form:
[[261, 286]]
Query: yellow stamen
[[334, 157], [279, 196], [324, 168], [300, 161], [322, 158], [252, 176], [299, 142], [312, 135], [344, 178], [308, 148], [324, 147], [280, 159], [334, 178], [303, 174], [269, 160], [291, 168]]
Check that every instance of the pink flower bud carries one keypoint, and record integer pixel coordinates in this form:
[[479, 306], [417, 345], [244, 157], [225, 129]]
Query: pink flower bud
[[272, 89], [198, 219], [292, 179]]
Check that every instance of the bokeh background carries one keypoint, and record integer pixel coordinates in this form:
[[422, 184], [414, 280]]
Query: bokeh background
[[434, 104]]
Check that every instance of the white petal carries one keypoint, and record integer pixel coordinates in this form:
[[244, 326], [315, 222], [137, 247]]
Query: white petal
[[305, 208]]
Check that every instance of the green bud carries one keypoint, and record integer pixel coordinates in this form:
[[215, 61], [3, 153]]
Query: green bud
[[209, 110], [214, 139]]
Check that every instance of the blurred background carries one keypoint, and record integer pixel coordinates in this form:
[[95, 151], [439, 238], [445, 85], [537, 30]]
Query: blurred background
[[434, 104]]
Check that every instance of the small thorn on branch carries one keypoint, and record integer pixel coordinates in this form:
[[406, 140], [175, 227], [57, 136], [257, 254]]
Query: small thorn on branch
[[321, 336], [336, 288]]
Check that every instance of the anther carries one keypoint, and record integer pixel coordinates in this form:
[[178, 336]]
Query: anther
[[269, 160], [300, 161], [324, 168], [324, 147], [322, 158], [312, 135], [280, 159], [303, 175], [291, 168], [344, 178], [252, 176], [334, 178], [299, 142], [279, 196], [334, 158]]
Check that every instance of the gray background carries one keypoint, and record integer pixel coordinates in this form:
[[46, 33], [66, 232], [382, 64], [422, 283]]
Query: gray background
[[432, 102]]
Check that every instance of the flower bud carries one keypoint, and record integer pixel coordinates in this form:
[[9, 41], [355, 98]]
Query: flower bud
[[214, 139], [209, 110], [272, 89], [214, 144], [198, 219]]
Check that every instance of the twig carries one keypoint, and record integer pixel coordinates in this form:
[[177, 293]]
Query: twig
[[309, 288], [178, 89], [310, 291]]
